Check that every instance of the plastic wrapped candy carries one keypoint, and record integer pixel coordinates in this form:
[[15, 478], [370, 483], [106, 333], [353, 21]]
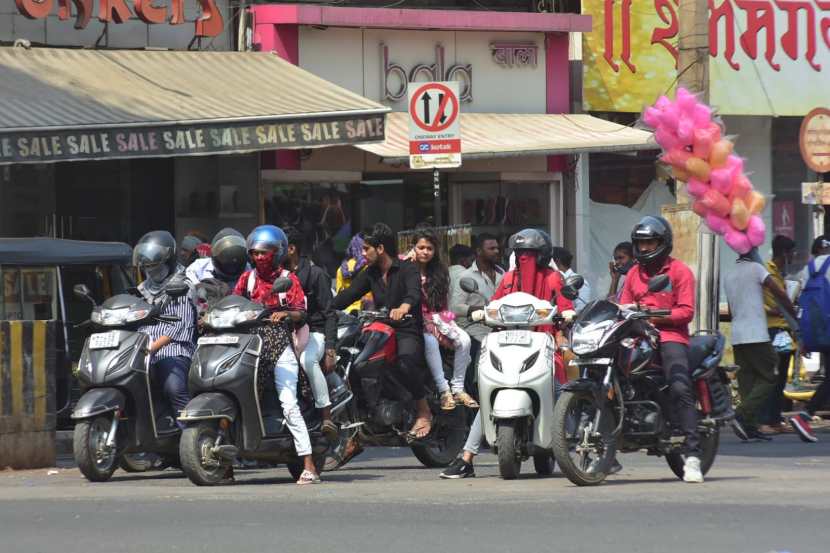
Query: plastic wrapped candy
[[698, 168], [755, 231], [755, 202], [739, 214], [718, 225], [721, 150], [738, 241], [696, 188]]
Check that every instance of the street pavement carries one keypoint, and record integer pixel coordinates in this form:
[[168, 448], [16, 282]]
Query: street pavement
[[758, 498]]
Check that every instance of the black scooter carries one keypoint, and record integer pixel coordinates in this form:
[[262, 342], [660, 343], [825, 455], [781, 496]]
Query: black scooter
[[235, 412], [121, 416]]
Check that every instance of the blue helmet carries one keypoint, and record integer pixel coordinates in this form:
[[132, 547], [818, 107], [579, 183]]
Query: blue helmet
[[270, 238]]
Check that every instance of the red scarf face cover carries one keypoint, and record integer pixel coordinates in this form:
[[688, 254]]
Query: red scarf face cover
[[265, 267], [528, 272]]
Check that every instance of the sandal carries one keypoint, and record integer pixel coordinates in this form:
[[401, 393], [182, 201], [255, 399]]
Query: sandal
[[330, 430], [417, 431], [308, 477], [447, 401], [466, 400]]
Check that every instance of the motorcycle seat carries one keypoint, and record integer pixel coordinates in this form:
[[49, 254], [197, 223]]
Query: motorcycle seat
[[701, 347]]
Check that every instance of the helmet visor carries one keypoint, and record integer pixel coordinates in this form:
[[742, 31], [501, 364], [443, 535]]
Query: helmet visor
[[149, 253]]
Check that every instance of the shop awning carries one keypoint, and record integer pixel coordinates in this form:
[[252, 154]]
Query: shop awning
[[491, 135], [61, 104]]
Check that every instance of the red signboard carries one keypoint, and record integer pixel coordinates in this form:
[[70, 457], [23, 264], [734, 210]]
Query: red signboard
[[211, 22]]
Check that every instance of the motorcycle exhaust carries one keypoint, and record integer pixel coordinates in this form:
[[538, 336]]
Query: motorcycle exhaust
[[225, 452]]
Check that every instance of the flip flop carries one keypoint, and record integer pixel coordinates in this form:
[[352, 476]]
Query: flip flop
[[412, 435]]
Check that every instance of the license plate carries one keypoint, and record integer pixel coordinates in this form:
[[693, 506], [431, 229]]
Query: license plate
[[218, 340], [514, 338], [104, 340]]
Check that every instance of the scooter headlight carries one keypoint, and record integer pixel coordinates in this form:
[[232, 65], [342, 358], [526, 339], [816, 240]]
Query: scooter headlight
[[229, 318], [516, 314]]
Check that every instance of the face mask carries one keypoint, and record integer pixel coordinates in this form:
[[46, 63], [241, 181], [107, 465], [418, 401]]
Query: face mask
[[157, 273], [526, 264]]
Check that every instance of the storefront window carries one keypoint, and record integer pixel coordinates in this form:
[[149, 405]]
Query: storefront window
[[28, 294]]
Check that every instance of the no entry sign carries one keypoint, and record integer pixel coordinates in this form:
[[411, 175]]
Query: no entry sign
[[434, 127]]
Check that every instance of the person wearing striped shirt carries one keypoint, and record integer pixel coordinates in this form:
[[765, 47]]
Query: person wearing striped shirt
[[171, 343]]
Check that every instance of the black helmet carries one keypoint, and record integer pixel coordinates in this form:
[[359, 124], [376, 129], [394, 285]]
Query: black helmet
[[652, 227], [155, 254], [535, 240], [229, 254]]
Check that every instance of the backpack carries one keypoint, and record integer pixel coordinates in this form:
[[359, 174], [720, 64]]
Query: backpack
[[815, 309]]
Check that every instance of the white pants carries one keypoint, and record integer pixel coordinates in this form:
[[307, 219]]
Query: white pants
[[310, 360], [436, 365], [286, 374]]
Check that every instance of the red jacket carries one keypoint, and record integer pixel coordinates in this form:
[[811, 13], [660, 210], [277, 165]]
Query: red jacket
[[679, 296], [258, 290], [552, 282]]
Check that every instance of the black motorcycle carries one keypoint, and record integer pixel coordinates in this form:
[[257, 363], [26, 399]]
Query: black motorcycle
[[122, 418], [621, 400], [382, 409], [235, 411]]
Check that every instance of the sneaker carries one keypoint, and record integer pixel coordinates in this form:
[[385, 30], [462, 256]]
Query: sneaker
[[691, 470], [801, 424], [459, 469], [447, 401], [615, 467], [756, 434], [739, 429]]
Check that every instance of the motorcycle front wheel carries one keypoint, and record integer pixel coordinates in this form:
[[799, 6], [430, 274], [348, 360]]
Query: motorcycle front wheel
[[709, 444], [584, 453], [94, 459], [199, 463]]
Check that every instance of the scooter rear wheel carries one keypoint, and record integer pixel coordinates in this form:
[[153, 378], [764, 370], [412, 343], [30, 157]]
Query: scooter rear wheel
[[89, 447], [198, 463]]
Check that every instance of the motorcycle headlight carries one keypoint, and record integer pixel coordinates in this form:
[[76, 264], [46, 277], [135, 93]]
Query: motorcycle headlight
[[516, 314], [589, 338]]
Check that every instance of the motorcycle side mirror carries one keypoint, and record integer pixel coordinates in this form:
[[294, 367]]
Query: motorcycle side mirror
[[658, 283], [469, 285], [572, 286], [177, 288], [82, 291], [281, 285]]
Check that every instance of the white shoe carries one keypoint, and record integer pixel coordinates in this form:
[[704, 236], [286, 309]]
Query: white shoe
[[691, 470]]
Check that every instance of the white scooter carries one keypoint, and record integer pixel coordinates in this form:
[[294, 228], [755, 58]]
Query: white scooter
[[516, 378]]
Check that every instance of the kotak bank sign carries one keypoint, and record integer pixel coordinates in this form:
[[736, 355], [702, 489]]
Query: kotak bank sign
[[118, 11]]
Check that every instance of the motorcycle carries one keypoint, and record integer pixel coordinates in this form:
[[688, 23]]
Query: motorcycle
[[516, 378], [235, 412], [621, 400], [379, 407], [122, 419]]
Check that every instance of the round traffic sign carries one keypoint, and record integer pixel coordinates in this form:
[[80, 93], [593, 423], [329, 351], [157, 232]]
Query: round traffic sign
[[434, 107]]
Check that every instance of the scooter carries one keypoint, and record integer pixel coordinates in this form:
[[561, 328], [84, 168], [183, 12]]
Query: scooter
[[234, 411], [121, 416], [516, 379]]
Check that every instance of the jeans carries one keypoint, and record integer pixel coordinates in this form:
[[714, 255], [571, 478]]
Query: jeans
[[411, 362], [436, 365], [170, 374], [475, 437], [310, 360], [756, 378], [675, 359], [286, 374]]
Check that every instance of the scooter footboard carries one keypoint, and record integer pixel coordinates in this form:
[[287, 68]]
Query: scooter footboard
[[97, 401], [512, 404], [209, 406]]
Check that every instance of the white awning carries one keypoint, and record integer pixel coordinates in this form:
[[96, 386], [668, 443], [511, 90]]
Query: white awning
[[491, 135], [60, 104]]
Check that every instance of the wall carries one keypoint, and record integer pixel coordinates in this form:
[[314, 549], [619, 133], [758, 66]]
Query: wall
[[131, 34], [351, 58]]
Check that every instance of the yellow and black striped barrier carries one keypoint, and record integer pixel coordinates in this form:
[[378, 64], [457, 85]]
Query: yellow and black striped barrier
[[27, 393]]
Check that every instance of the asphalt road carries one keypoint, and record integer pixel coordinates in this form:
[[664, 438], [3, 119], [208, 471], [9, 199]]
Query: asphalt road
[[758, 498]]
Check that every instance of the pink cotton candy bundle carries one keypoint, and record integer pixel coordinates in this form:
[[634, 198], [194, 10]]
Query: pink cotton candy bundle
[[693, 144]]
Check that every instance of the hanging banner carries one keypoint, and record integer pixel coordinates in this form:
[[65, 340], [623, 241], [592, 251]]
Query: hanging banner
[[118, 142], [765, 57]]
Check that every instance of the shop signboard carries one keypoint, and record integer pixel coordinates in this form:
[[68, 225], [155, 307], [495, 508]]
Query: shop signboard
[[434, 125], [765, 57], [783, 218], [209, 24], [205, 139], [814, 140], [815, 193]]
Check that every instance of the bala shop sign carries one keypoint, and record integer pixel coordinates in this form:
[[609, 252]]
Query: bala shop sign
[[158, 12]]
